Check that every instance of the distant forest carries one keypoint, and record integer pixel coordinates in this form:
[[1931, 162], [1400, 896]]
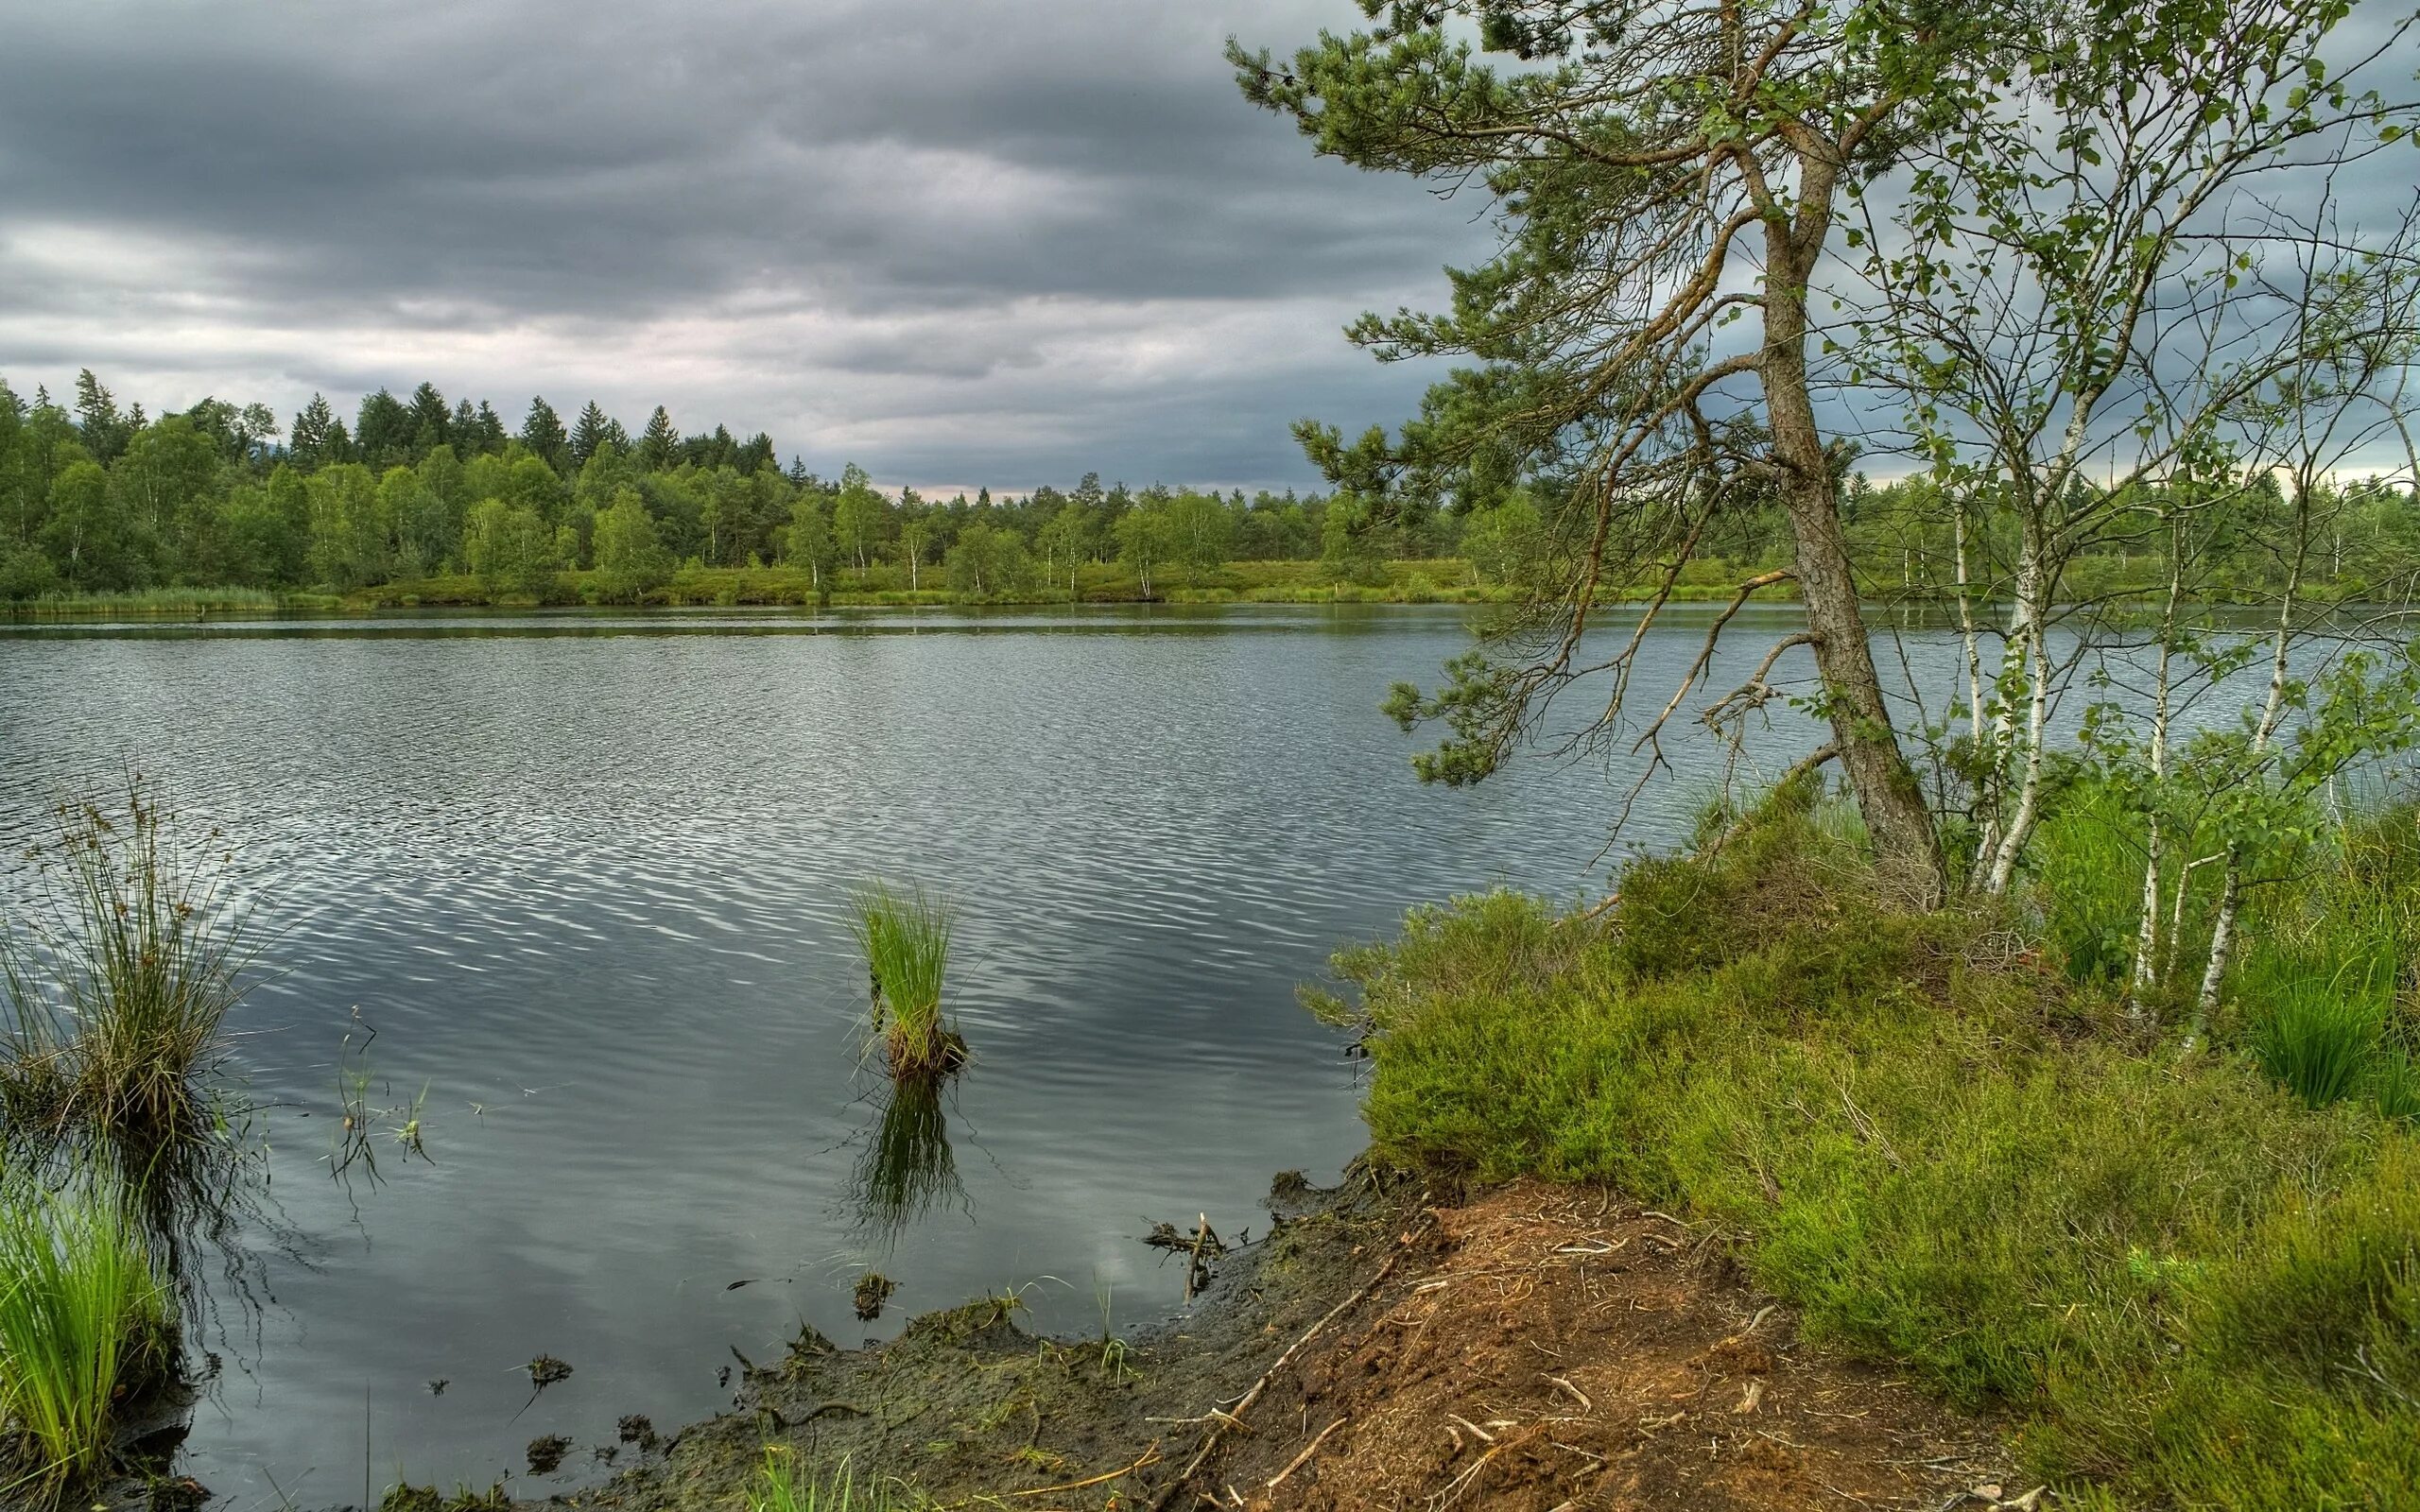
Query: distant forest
[[99, 498], [423, 492]]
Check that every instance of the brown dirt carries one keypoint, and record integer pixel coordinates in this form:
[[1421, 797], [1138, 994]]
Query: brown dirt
[[1554, 1349]]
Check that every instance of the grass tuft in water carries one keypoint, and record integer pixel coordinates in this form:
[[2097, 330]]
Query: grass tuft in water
[[116, 993], [85, 1323], [905, 935]]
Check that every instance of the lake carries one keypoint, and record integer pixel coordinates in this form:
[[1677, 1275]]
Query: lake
[[585, 876]]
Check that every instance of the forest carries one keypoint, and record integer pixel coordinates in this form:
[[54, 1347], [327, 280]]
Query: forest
[[99, 499], [419, 498]]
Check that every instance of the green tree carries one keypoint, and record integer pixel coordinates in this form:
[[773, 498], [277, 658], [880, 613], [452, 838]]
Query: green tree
[[1503, 544], [1654, 168], [1143, 542], [1066, 538], [989, 559], [509, 548], [348, 540], [103, 428], [857, 515], [1199, 530], [544, 435], [810, 542], [659, 443], [915, 538], [594, 429], [317, 437], [89, 533], [630, 560]]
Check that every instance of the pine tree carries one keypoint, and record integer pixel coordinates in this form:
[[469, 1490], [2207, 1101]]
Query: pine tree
[[659, 444], [543, 433], [316, 427], [104, 430], [432, 420], [588, 433], [486, 432]]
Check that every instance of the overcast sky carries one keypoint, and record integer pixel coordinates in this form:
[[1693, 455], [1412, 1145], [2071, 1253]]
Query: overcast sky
[[961, 242]]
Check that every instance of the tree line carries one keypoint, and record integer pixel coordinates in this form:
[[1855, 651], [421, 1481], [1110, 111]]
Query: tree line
[[99, 497]]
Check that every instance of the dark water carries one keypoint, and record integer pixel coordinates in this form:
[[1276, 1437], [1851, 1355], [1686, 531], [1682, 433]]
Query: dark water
[[585, 876]]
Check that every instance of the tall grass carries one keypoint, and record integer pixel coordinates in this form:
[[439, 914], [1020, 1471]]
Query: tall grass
[[85, 1322], [787, 1485], [905, 935], [116, 993], [2318, 1035]]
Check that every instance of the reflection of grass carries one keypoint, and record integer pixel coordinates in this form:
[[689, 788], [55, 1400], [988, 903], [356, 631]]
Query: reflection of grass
[[905, 935], [85, 1322], [117, 998], [906, 1164]]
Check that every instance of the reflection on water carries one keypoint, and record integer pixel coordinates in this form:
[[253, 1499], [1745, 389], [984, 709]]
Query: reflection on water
[[905, 1164]]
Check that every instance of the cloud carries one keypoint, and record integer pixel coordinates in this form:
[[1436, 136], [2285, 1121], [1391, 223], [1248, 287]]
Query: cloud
[[960, 241]]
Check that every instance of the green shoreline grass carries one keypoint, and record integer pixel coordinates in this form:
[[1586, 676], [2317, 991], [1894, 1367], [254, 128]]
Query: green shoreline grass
[[1441, 581], [2187, 1287]]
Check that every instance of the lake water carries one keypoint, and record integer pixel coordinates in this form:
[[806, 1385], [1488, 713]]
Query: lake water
[[585, 877]]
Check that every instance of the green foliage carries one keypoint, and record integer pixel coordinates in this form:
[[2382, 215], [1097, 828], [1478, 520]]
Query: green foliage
[[905, 935], [85, 1323], [2191, 1288], [118, 991], [2316, 1036], [630, 560], [787, 1484]]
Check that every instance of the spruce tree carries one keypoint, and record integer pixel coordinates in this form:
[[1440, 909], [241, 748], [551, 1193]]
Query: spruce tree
[[659, 444], [543, 434]]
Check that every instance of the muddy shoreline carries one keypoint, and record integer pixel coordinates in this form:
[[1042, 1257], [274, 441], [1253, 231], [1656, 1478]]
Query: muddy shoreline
[[968, 1407], [1393, 1341]]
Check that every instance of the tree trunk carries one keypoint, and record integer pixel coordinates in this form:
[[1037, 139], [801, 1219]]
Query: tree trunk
[[1887, 795]]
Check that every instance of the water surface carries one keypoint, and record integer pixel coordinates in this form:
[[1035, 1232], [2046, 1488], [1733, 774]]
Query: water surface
[[584, 875]]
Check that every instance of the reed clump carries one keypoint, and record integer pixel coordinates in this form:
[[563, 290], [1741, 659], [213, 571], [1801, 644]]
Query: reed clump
[[86, 1324], [115, 991], [904, 934]]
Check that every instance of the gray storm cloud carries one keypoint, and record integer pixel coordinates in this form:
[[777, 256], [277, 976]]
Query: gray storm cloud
[[959, 241]]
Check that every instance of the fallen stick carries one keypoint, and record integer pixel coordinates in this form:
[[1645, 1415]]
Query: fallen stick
[[1304, 1457], [1151, 1456], [1235, 1416]]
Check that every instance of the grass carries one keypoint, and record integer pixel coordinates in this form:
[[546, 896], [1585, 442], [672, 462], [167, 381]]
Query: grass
[[788, 1485], [2188, 1285], [85, 1323], [149, 601], [117, 995], [905, 935]]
